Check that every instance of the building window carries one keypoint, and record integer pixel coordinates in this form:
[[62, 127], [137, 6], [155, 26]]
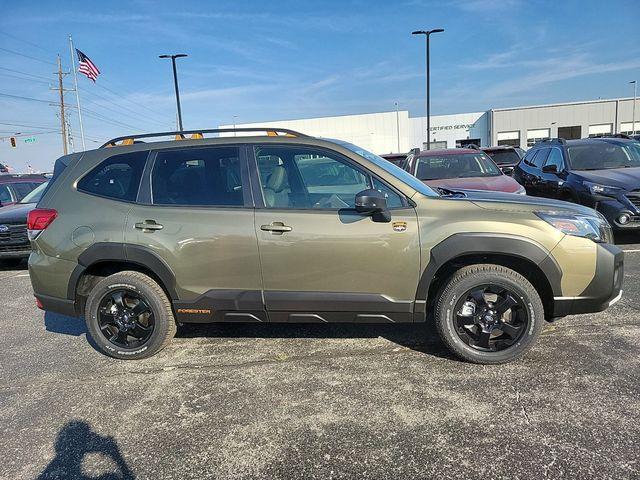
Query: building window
[[534, 136], [570, 133], [509, 138], [467, 142], [600, 130], [435, 145], [627, 128]]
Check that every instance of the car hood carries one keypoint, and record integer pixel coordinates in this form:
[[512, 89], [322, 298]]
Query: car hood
[[498, 183], [16, 213], [626, 178], [522, 203]]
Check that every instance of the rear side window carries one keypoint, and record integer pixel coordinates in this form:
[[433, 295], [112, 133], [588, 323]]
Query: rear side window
[[198, 176], [23, 189], [118, 177]]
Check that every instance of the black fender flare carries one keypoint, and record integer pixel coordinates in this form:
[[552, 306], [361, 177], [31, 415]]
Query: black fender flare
[[462, 244], [120, 252]]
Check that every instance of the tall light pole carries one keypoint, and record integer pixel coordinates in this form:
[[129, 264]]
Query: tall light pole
[[427, 34], [175, 83], [633, 118]]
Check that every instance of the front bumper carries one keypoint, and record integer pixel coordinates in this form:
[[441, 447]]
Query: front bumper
[[604, 290]]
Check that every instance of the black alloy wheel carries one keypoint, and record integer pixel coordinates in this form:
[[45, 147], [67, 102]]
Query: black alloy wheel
[[125, 318], [491, 318]]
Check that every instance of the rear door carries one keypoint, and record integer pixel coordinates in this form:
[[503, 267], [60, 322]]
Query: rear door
[[198, 217], [321, 260]]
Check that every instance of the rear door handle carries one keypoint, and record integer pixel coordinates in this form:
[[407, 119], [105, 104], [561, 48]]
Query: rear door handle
[[277, 228], [149, 225]]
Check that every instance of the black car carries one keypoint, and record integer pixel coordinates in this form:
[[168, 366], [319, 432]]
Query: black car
[[14, 242], [505, 156], [602, 173]]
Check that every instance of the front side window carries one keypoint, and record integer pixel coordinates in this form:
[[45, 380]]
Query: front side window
[[198, 176], [439, 167], [117, 177], [555, 158], [308, 178]]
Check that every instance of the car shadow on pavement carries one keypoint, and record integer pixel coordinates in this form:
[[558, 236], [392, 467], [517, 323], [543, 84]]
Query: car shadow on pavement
[[74, 442], [11, 264], [56, 323], [422, 337]]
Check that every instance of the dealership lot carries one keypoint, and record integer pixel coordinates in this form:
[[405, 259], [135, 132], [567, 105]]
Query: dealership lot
[[318, 401]]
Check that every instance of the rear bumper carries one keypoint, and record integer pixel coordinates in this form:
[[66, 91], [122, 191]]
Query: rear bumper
[[604, 290], [62, 306]]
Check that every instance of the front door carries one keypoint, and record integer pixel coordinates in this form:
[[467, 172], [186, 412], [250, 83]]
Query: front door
[[199, 220], [322, 261]]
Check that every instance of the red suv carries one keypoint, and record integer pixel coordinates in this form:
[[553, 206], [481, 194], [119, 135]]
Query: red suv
[[14, 187], [461, 168]]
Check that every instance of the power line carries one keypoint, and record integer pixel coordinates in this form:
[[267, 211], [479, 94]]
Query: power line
[[25, 41], [26, 56], [27, 125], [23, 78], [134, 112], [24, 73], [129, 100], [19, 97]]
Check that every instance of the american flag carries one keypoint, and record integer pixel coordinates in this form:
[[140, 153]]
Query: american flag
[[87, 67]]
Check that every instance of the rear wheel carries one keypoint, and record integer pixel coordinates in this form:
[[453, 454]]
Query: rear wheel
[[129, 316], [488, 314]]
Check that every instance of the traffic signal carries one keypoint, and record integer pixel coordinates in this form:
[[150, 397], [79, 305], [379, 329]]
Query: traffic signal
[[13, 142]]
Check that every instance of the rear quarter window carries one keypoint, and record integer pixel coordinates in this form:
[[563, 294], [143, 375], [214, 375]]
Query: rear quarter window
[[117, 177]]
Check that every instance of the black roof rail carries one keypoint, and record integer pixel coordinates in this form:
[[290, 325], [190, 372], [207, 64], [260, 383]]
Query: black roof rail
[[616, 135], [197, 134], [561, 141]]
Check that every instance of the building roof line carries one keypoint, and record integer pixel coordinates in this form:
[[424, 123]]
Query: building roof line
[[565, 104]]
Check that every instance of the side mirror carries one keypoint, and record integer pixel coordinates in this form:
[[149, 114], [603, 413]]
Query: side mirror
[[507, 170], [373, 203], [550, 169]]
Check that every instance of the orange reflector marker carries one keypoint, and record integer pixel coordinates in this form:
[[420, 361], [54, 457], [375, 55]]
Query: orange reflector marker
[[127, 141], [272, 133], [179, 137], [197, 136]]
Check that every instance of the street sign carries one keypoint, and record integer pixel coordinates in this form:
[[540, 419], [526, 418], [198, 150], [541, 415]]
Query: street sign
[[30, 140]]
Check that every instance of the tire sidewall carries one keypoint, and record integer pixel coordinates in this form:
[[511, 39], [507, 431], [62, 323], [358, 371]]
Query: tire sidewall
[[447, 325], [91, 317]]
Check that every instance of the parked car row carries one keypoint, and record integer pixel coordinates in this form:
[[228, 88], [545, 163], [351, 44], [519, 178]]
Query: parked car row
[[602, 173]]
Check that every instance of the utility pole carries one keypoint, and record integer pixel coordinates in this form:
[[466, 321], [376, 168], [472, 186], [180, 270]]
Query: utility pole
[[633, 119], [63, 123], [398, 126]]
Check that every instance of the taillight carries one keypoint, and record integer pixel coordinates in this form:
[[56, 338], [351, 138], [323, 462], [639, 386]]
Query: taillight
[[39, 219]]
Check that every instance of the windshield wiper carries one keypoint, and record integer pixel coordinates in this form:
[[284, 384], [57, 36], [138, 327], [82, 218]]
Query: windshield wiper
[[445, 192]]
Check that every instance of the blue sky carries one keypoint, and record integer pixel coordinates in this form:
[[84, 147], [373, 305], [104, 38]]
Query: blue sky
[[280, 60]]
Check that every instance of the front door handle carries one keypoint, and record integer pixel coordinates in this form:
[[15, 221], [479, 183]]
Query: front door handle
[[148, 225], [277, 228]]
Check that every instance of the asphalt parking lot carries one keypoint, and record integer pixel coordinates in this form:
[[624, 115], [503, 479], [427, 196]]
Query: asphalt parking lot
[[337, 401]]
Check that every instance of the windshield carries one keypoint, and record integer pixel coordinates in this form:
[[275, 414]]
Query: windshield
[[389, 167], [504, 157], [604, 155], [438, 167], [34, 195]]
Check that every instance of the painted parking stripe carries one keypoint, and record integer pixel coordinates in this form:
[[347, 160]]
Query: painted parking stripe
[[632, 251]]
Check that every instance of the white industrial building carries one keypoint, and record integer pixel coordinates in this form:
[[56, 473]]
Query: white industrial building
[[396, 131]]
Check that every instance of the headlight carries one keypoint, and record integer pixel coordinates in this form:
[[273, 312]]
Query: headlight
[[597, 189], [588, 226]]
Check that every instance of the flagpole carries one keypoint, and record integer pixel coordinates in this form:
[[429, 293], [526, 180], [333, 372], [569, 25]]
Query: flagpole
[[75, 81]]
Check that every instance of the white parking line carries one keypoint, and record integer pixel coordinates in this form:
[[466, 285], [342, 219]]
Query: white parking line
[[632, 251]]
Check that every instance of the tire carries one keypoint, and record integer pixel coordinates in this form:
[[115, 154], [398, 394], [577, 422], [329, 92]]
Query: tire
[[158, 308], [459, 339]]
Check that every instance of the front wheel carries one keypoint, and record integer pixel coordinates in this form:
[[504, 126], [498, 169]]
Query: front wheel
[[488, 314], [129, 316]]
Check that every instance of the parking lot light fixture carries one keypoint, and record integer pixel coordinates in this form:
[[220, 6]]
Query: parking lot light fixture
[[175, 83], [427, 34], [633, 117]]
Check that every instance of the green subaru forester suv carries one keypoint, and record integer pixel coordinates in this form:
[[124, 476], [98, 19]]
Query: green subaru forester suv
[[138, 236]]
